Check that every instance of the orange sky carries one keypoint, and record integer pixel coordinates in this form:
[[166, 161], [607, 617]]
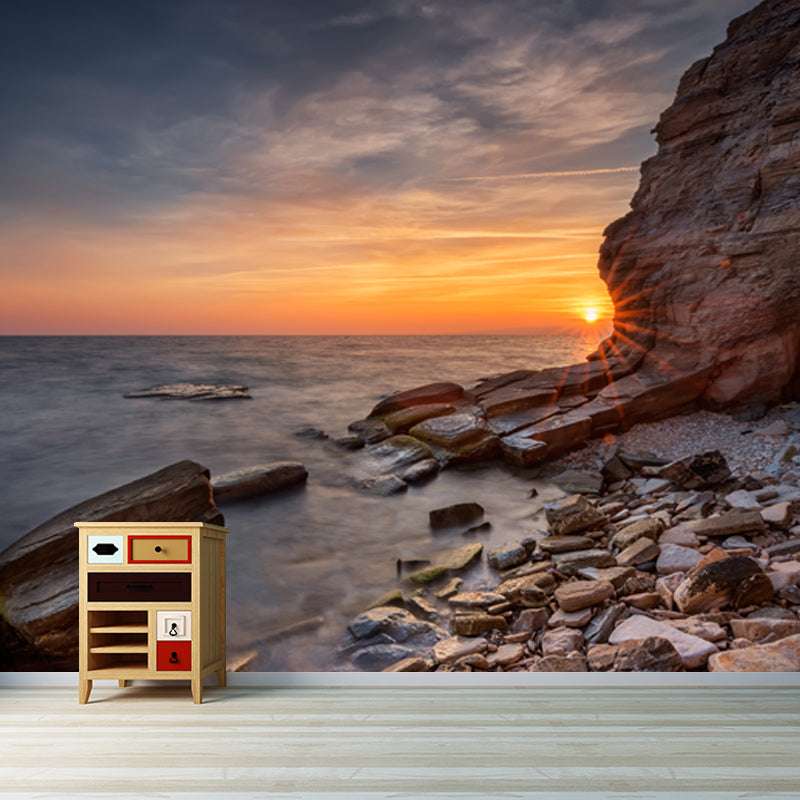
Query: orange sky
[[320, 168]]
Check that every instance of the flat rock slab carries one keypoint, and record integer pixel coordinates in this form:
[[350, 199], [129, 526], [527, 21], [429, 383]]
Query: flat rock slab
[[458, 438], [455, 515], [565, 544], [729, 524], [693, 650], [573, 514], [649, 528], [759, 628], [575, 595], [780, 656], [579, 482], [449, 561], [432, 393], [193, 391], [676, 558], [391, 455], [455, 647], [258, 480], [640, 552], [572, 563]]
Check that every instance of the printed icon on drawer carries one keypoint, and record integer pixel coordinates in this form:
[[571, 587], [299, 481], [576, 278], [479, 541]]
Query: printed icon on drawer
[[174, 625], [105, 549]]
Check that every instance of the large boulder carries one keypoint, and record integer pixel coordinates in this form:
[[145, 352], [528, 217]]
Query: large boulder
[[39, 572], [703, 270]]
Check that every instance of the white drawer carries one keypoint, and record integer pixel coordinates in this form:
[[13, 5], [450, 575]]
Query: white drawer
[[105, 549], [173, 625]]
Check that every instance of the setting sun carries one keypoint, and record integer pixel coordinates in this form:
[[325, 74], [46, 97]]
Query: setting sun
[[591, 314]]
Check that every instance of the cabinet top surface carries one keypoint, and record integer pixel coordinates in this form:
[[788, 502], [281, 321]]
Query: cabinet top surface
[[150, 526]]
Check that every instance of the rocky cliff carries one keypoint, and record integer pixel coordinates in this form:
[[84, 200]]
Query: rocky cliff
[[704, 271]]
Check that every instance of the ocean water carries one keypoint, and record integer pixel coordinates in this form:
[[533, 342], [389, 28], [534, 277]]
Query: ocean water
[[310, 558]]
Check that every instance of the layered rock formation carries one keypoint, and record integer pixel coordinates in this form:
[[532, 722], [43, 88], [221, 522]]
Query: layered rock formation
[[704, 271]]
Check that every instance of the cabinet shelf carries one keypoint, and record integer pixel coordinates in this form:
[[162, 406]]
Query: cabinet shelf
[[122, 647], [119, 629]]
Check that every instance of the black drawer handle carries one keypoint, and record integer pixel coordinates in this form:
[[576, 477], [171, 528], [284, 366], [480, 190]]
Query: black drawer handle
[[139, 586], [173, 659]]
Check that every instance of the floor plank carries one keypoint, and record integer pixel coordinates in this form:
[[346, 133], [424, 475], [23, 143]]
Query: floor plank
[[373, 743]]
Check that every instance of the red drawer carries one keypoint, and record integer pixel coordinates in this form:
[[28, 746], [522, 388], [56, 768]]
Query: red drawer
[[174, 656]]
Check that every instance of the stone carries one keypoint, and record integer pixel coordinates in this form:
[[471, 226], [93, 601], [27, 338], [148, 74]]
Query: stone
[[681, 535], [579, 482], [477, 624], [371, 431], [565, 544], [449, 561], [666, 588], [560, 432], [391, 455], [697, 472], [729, 524], [377, 657], [693, 650], [570, 619], [650, 528], [529, 620], [432, 393], [739, 543], [571, 563], [454, 648], [410, 664], [778, 516], [39, 572], [615, 469], [653, 486], [702, 628], [604, 622], [743, 500], [404, 419], [616, 576], [778, 428], [476, 599], [383, 485], [674, 558], [504, 655], [420, 472], [396, 623], [780, 656], [574, 662], [737, 580], [789, 547], [507, 556], [193, 391], [524, 591], [756, 629], [350, 442], [644, 601], [653, 654], [572, 514], [520, 451], [258, 480], [640, 552], [561, 642], [458, 438], [455, 515], [575, 595], [638, 459]]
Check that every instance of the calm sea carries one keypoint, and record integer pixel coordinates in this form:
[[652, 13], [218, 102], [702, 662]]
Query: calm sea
[[325, 551]]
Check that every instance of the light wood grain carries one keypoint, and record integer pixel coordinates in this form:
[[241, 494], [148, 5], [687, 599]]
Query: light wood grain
[[366, 744]]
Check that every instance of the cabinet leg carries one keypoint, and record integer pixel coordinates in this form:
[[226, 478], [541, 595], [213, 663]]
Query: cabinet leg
[[222, 676], [84, 690], [123, 684], [197, 690]]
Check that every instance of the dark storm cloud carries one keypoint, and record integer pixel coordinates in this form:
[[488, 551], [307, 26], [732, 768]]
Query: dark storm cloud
[[111, 108]]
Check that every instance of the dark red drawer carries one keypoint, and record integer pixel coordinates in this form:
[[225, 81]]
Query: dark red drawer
[[140, 587], [173, 655]]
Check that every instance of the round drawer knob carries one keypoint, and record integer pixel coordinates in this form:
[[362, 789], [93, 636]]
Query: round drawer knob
[[158, 548]]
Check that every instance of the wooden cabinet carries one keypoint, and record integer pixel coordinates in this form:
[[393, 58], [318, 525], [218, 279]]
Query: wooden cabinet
[[152, 603]]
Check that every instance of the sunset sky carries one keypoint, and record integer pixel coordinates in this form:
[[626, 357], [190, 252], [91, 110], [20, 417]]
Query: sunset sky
[[386, 166]]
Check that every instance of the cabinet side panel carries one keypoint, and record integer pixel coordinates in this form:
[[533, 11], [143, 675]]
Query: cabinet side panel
[[211, 603]]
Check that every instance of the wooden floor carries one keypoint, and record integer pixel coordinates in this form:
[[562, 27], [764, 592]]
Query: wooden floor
[[409, 743]]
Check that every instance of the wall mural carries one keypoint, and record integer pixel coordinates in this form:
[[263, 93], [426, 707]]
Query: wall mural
[[327, 275]]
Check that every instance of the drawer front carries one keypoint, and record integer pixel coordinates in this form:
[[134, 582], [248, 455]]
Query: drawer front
[[140, 587], [173, 656], [173, 626], [159, 549], [105, 549]]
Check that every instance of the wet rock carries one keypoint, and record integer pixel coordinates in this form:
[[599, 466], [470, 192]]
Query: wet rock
[[579, 482], [476, 599], [573, 514], [674, 558], [39, 572], [575, 595], [458, 438], [371, 431], [520, 451], [350, 443], [477, 624], [507, 556], [737, 580], [310, 432], [193, 391], [780, 656], [420, 472], [693, 650], [560, 432], [398, 624], [450, 561], [383, 485], [455, 515], [258, 480], [640, 552], [653, 654], [561, 642], [432, 393], [406, 418]]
